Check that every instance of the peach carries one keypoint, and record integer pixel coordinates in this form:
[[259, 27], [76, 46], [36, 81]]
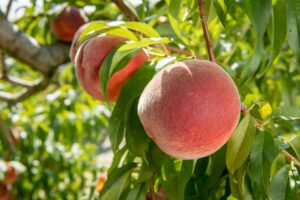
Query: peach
[[11, 175], [89, 58], [67, 22], [101, 181], [190, 108], [75, 40]]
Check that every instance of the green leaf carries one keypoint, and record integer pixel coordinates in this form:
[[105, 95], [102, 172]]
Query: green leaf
[[239, 145], [279, 184], [136, 137], [221, 11], [120, 56], [259, 13], [217, 167], [173, 16], [279, 28], [137, 193], [261, 158], [128, 50], [278, 31], [295, 147], [122, 29], [287, 112], [118, 155], [156, 157], [130, 91], [175, 176], [118, 180], [239, 185], [141, 27], [293, 17]]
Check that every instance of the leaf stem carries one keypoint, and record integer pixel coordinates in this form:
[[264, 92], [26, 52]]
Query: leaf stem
[[209, 44]]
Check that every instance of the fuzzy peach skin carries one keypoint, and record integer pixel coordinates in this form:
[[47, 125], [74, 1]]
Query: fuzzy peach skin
[[190, 108], [67, 22], [89, 58], [75, 40]]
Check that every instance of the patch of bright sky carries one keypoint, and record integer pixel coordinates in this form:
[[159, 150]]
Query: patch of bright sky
[[17, 9]]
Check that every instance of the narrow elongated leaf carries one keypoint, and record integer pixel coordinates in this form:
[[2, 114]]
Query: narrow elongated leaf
[[278, 31], [287, 112], [239, 145], [295, 147], [118, 181], [217, 167], [131, 49], [173, 16], [293, 17], [261, 158], [141, 27], [130, 91], [137, 193], [239, 185], [279, 183], [259, 13], [175, 176], [221, 11], [279, 22], [136, 137]]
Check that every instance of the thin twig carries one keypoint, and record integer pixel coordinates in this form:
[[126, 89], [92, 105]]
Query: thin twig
[[20, 82], [3, 66], [209, 44], [125, 10], [25, 93], [290, 157], [2, 55]]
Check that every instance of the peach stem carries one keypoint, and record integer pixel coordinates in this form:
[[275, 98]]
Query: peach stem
[[209, 44]]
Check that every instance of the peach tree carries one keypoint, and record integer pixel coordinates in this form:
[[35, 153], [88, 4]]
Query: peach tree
[[179, 127]]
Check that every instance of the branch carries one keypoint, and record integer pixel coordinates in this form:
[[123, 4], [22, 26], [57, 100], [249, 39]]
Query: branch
[[125, 10], [43, 58], [8, 7], [209, 44], [7, 134], [26, 92], [290, 157]]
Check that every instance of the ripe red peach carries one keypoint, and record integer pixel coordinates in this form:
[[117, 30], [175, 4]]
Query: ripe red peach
[[190, 108], [89, 58], [67, 22]]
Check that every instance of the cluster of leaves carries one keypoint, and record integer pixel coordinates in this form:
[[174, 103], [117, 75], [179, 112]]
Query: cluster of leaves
[[258, 44], [57, 140]]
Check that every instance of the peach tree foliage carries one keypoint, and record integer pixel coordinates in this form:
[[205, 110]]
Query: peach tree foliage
[[256, 42]]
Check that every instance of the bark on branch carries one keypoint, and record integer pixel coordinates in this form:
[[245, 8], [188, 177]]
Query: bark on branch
[[43, 58]]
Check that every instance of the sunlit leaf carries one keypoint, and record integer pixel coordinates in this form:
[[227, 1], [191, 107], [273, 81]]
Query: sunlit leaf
[[279, 183], [240, 143]]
